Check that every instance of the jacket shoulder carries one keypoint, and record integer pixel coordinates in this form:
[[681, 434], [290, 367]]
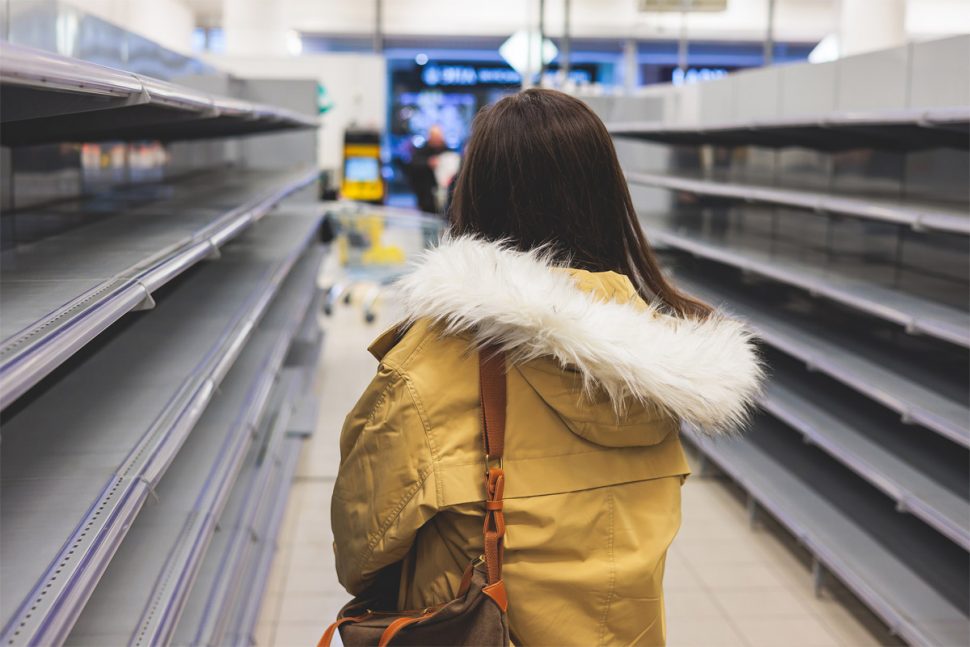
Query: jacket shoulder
[[400, 346]]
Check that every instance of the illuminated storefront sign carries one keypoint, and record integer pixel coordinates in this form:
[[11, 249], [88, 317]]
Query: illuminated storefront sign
[[472, 75], [695, 75]]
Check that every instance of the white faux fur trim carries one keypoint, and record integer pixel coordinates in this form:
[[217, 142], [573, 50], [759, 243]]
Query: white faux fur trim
[[706, 372]]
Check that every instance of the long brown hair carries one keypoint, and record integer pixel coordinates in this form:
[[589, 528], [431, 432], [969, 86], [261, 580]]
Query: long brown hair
[[540, 170]]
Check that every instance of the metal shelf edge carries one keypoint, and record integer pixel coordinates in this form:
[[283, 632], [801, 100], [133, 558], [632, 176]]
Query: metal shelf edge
[[38, 358], [896, 619], [821, 362], [919, 218], [138, 474], [249, 614], [911, 321], [858, 464]]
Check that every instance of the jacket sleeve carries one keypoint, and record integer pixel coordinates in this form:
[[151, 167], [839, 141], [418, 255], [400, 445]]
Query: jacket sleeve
[[385, 488]]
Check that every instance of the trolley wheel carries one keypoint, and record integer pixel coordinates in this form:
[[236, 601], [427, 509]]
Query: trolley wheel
[[369, 317], [334, 292], [347, 297]]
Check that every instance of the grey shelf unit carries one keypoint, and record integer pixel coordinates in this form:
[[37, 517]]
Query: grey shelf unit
[[917, 315], [114, 437], [48, 98], [219, 611], [903, 129], [832, 220], [140, 597], [217, 590], [921, 216], [839, 538], [59, 292], [152, 336], [880, 451], [907, 390], [245, 614]]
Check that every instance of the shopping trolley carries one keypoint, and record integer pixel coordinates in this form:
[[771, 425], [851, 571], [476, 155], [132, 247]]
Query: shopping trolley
[[372, 246]]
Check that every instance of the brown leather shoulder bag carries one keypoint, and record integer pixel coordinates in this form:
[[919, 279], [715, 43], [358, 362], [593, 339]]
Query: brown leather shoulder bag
[[477, 616]]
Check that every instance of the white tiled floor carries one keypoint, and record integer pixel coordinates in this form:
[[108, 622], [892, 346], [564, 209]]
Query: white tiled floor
[[726, 584]]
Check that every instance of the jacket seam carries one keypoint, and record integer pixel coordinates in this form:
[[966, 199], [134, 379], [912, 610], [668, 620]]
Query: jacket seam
[[390, 519], [383, 396], [432, 448], [602, 449], [612, 590], [399, 368], [395, 512]]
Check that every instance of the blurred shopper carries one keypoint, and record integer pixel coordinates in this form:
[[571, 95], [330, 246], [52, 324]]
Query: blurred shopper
[[424, 173], [605, 360]]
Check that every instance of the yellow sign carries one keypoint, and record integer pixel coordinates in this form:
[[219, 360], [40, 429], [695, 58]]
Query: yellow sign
[[362, 179]]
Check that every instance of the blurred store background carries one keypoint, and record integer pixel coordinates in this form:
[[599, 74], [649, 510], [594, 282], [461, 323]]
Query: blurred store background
[[403, 66]]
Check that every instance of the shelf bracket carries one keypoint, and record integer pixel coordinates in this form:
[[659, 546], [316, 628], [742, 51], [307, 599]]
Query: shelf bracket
[[214, 252], [818, 577], [752, 506], [149, 486], [703, 465], [147, 302]]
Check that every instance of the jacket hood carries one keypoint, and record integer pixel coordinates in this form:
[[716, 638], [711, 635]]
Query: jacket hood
[[624, 352]]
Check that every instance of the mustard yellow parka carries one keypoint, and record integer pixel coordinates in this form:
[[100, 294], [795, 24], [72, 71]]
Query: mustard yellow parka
[[598, 385]]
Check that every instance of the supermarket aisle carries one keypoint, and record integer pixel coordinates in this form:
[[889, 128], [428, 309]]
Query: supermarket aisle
[[726, 584]]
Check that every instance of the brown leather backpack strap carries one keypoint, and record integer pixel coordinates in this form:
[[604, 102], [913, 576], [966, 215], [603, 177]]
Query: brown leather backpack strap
[[492, 389]]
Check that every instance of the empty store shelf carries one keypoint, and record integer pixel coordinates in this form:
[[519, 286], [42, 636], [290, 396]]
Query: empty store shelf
[[140, 598], [48, 98], [915, 584], [82, 454], [242, 621], [915, 314], [921, 216], [217, 594], [882, 129], [60, 291], [902, 464], [913, 392], [217, 589]]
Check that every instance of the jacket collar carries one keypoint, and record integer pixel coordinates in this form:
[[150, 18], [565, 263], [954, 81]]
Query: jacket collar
[[388, 340], [705, 372]]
